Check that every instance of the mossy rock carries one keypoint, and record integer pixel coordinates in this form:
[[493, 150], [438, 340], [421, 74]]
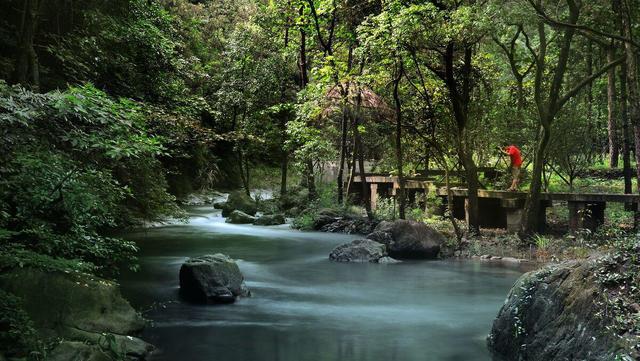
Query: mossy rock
[[74, 300], [77, 307], [270, 220], [212, 279], [239, 200], [239, 217]]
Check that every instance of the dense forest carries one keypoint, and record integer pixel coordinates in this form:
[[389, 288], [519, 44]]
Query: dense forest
[[111, 112]]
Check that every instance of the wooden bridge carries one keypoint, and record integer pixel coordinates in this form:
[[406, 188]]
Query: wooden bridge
[[502, 209]]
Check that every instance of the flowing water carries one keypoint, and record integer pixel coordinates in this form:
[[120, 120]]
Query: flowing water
[[305, 307]]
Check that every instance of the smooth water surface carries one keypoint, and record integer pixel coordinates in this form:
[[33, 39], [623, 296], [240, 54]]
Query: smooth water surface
[[305, 307]]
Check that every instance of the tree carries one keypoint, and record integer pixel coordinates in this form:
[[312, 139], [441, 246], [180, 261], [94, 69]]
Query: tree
[[550, 97]]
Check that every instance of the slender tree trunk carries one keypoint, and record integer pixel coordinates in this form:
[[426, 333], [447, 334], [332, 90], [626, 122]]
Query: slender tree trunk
[[589, 89], [284, 165], [284, 155], [532, 209], [611, 109], [626, 134], [459, 99], [243, 176], [344, 128], [27, 71], [366, 195], [304, 80], [351, 164], [343, 151], [396, 98], [632, 84]]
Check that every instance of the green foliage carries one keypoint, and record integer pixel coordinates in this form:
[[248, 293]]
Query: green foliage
[[18, 337], [619, 275], [76, 163]]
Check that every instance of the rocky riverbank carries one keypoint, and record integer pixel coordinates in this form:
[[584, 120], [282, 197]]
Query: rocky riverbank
[[574, 310], [78, 316]]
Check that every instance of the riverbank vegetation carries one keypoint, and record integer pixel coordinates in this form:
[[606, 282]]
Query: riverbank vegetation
[[110, 111]]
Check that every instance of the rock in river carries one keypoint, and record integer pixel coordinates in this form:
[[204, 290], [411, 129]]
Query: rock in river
[[239, 217], [269, 220], [360, 250], [239, 200], [408, 239], [212, 279], [553, 314]]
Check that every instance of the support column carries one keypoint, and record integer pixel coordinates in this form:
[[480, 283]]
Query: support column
[[513, 209], [374, 195]]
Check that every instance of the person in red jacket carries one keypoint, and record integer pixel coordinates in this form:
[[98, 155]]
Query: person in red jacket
[[516, 162]]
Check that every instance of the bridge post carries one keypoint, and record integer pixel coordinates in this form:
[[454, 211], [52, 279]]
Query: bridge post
[[374, 195]]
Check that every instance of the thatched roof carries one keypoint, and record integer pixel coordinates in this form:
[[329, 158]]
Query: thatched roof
[[369, 100]]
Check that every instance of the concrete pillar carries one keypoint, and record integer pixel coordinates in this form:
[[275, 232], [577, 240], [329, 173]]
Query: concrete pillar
[[374, 195], [514, 219], [587, 215]]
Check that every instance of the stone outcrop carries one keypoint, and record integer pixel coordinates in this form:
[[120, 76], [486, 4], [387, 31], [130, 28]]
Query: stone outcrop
[[212, 279], [80, 308], [329, 220], [239, 217], [269, 220], [360, 250], [239, 200], [408, 239], [554, 314]]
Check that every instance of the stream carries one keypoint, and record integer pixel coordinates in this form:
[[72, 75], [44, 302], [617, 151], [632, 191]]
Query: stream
[[305, 307]]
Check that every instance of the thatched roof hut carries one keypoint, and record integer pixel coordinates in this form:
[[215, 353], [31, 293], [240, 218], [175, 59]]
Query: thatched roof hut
[[370, 103]]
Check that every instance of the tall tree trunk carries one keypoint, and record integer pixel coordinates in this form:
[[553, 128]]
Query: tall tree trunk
[[344, 95], [459, 99], [632, 91], [284, 155], [27, 71], [611, 109], [589, 89], [396, 98], [304, 80], [244, 174], [626, 134], [632, 83], [366, 195], [532, 207], [284, 165], [343, 151]]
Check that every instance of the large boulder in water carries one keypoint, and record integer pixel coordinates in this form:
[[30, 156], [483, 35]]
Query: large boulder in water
[[408, 239], [559, 313], [239, 217], [360, 250], [80, 308], [239, 200], [212, 279], [270, 220]]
